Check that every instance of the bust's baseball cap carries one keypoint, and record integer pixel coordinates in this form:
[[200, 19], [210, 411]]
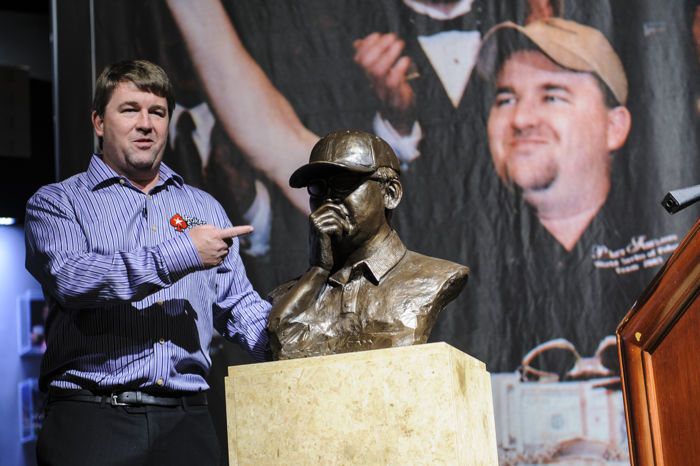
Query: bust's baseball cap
[[345, 151], [569, 44]]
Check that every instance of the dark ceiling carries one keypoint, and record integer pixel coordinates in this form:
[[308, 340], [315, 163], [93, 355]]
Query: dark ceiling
[[42, 7]]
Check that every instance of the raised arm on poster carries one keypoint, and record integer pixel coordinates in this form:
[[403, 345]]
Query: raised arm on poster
[[255, 115], [363, 290]]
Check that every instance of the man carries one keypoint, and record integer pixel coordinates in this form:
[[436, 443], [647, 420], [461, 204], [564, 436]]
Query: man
[[364, 290], [557, 117], [139, 269]]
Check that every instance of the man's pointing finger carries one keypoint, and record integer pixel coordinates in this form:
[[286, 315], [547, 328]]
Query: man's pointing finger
[[233, 232]]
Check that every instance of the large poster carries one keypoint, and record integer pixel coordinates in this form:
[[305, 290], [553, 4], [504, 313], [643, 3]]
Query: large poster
[[546, 181]]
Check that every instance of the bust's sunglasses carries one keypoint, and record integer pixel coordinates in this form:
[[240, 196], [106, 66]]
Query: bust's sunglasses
[[339, 186]]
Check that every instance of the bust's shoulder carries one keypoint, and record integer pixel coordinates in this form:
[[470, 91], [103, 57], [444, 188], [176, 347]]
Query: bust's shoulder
[[281, 290], [427, 280], [427, 275], [427, 266]]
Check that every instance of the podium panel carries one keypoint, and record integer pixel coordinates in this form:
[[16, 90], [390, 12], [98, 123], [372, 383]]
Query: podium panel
[[423, 404], [660, 377]]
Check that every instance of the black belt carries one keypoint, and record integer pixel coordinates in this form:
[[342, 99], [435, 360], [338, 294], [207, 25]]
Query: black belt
[[133, 398]]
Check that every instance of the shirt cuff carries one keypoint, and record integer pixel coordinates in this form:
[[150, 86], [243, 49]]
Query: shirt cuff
[[406, 147], [180, 257]]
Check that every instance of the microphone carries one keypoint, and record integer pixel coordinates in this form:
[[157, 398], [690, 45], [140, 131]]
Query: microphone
[[679, 199]]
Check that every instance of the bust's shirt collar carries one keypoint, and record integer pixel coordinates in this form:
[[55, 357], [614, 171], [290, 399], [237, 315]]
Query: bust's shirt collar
[[385, 257]]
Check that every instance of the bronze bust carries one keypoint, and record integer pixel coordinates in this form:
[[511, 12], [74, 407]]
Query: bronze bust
[[363, 290]]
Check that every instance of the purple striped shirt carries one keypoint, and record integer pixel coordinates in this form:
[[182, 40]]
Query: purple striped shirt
[[131, 305]]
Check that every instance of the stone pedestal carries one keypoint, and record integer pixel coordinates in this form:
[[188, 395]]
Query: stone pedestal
[[424, 404]]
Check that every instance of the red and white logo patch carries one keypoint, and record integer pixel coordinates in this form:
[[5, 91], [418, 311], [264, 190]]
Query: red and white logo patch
[[181, 223], [178, 223]]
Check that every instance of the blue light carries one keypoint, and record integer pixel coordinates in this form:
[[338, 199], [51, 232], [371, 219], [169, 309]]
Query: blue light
[[7, 221]]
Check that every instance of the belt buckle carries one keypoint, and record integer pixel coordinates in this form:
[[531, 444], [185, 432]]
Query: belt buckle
[[114, 401]]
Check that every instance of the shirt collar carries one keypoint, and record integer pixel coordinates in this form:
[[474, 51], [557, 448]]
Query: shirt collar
[[202, 117], [385, 257], [441, 11], [99, 174]]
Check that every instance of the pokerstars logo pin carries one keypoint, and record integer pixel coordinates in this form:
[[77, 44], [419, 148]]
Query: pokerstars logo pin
[[183, 222], [179, 223]]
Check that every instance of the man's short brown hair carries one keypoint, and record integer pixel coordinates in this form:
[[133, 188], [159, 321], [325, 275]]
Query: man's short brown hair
[[145, 75]]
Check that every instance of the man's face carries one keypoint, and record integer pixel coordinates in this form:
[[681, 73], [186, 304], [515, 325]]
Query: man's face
[[549, 130], [360, 210], [134, 129]]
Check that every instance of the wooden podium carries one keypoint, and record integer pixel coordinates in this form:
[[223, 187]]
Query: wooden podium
[[661, 365]]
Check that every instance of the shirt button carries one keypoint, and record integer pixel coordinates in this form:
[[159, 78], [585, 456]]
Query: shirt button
[[121, 181], [160, 382], [161, 341], [154, 228], [160, 303]]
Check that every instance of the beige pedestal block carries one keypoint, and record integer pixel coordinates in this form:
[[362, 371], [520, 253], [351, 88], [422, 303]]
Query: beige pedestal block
[[424, 405]]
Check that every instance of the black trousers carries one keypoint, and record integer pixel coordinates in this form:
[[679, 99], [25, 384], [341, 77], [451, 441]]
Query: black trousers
[[77, 433]]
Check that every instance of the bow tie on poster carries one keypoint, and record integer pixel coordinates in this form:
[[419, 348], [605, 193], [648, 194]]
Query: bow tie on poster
[[558, 360], [422, 25]]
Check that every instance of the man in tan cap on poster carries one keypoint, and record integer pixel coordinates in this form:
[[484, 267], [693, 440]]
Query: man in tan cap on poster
[[557, 116], [363, 290]]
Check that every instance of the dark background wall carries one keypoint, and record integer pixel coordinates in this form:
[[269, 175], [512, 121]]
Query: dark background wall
[[25, 43]]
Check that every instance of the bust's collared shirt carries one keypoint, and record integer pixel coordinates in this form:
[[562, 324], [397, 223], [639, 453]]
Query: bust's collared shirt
[[385, 300]]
